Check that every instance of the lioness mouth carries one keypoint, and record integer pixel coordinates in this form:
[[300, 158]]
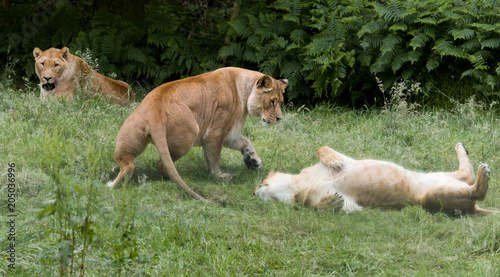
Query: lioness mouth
[[48, 86]]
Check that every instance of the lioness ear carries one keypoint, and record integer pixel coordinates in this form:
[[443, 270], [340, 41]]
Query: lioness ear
[[264, 82], [64, 52], [37, 52], [284, 81], [271, 173]]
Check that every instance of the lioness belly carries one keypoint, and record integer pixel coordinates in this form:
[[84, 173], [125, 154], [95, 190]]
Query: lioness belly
[[376, 184]]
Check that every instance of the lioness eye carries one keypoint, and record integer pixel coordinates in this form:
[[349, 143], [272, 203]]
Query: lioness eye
[[56, 65], [43, 64]]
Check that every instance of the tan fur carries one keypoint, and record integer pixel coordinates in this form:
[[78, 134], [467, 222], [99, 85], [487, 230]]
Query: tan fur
[[207, 110], [373, 183], [60, 72]]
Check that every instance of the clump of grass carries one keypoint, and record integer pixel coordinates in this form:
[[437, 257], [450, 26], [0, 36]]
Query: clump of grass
[[396, 100]]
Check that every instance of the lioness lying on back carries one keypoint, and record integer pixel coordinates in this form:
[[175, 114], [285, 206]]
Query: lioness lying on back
[[60, 72], [207, 110], [340, 182]]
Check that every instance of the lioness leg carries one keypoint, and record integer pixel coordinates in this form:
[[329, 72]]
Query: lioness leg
[[332, 158], [130, 143], [246, 148], [480, 187], [126, 163], [460, 199], [212, 150], [465, 172]]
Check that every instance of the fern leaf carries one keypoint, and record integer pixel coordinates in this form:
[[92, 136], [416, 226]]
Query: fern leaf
[[465, 33], [399, 26], [432, 64], [390, 43], [492, 43], [446, 48], [419, 41], [427, 21], [483, 27], [298, 36]]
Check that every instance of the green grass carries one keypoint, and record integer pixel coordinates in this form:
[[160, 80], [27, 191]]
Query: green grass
[[64, 156]]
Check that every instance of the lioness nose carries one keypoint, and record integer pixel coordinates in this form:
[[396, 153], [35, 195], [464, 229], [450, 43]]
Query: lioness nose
[[47, 78], [278, 118]]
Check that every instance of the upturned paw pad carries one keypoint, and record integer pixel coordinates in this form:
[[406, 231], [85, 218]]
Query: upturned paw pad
[[484, 169]]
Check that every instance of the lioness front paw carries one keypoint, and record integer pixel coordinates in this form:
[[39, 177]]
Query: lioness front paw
[[253, 163], [330, 201], [330, 158], [251, 159], [223, 176]]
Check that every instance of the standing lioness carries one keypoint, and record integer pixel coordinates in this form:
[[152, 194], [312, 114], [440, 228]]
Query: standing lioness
[[340, 182], [207, 110], [60, 72]]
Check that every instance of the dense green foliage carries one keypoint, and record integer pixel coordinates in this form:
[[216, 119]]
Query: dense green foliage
[[67, 217], [329, 50]]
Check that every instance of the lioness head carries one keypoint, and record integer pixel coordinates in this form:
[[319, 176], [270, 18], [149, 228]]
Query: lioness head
[[266, 98], [50, 66], [276, 187]]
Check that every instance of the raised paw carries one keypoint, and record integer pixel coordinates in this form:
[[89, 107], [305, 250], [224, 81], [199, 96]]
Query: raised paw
[[460, 147], [481, 185], [251, 159], [336, 165], [484, 170], [330, 158]]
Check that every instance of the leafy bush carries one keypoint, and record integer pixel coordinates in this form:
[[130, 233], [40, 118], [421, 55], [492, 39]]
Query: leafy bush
[[306, 42], [432, 41], [329, 50], [334, 50]]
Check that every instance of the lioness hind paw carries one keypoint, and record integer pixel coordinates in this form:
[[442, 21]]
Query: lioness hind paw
[[111, 185], [484, 169], [460, 146]]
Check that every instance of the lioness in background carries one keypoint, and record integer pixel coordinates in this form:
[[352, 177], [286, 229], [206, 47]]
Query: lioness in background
[[60, 72], [207, 110], [340, 182]]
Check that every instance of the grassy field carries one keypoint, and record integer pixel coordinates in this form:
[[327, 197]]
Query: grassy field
[[63, 155]]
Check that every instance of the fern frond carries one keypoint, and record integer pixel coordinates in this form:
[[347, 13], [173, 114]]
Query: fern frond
[[390, 43], [432, 64], [492, 43], [399, 26], [419, 40], [464, 33], [446, 48]]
